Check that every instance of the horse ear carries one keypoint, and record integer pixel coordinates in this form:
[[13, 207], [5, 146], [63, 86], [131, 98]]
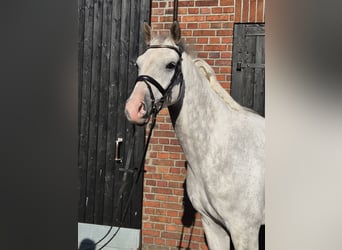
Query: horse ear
[[175, 32], [147, 33]]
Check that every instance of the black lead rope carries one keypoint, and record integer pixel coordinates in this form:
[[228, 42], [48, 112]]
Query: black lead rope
[[138, 174]]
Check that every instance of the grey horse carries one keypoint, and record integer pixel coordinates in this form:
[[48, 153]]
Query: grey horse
[[224, 143]]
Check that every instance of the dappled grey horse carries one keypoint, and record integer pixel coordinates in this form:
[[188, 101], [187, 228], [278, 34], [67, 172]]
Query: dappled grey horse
[[223, 142]]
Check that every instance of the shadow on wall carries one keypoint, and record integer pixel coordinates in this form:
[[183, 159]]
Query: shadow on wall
[[87, 244], [189, 217]]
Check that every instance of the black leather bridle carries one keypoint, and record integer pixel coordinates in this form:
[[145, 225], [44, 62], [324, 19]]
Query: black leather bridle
[[177, 78]]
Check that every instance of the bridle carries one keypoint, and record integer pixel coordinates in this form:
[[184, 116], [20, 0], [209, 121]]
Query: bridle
[[177, 78]]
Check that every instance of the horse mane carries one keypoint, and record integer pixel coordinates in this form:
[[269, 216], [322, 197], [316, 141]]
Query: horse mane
[[209, 74]]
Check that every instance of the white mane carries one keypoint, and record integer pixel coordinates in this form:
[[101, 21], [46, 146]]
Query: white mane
[[209, 73]]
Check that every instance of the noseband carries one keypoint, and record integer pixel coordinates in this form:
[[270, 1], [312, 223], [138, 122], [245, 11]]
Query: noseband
[[176, 78]]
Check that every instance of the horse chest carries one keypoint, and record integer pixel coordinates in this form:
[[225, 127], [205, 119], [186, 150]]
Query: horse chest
[[201, 197]]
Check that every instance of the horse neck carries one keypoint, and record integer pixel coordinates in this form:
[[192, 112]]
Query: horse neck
[[198, 103]]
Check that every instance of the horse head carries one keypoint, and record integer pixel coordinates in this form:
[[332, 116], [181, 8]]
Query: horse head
[[159, 76]]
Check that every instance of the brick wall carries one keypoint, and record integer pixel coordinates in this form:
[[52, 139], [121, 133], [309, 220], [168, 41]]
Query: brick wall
[[207, 25]]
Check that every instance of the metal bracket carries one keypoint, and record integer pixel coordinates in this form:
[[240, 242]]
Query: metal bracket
[[117, 150]]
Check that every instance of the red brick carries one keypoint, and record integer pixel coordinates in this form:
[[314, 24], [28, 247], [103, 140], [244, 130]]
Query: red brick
[[224, 32], [260, 11], [216, 25], [147, 225], [193, 10], [166, 19], [205, 10], [175, 170], [150, 182], [222, 62], [162, 219], [245, 11], [186, 4], [174, 156], [238, 10], [252, 11], [163, 155], [207, 3], [215, 47], [173, 148], [150, 232], [193, 18], [162, 183], [159, 162], [227, 2], [217, 10], [161, 190], [214, 40], [204, 32], [151, 204], [172, 213], [204, 25], [192, 26], [217, 18], [175, 185], [160, 212], [164, 134], [228, 9], [172, 206], [170, 235], [148, 240], [161, 198], [173, 199], [160, 227], [153, 176], [203, 40], [159, 241], [173, 177]]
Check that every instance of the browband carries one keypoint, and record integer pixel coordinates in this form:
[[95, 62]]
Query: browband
[[166, 47]]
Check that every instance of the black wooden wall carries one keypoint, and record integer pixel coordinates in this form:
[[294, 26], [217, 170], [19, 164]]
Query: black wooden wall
[[248, 66], [110, 39]]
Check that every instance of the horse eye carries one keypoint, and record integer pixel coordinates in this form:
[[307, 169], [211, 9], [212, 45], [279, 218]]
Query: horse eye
[[171, 65]]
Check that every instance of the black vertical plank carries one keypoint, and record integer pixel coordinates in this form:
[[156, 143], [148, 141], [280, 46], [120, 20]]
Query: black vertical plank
[[238, 73], [94, 113], [140, 131], [248, 79], [259, 87], [81, 27], [133, 50], [103, 110], [121, 121], [112, 111], [85, 106]]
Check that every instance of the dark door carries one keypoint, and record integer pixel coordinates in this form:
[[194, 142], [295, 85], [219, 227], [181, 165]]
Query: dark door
[[248, 69], [110, 39]]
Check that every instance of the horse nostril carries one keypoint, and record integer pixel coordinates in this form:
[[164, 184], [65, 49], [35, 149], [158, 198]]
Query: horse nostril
[[142, 108]]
